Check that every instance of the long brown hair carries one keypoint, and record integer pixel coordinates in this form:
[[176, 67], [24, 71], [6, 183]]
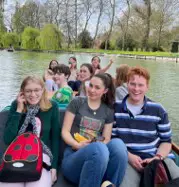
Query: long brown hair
[[107, 80], [121, 74], [45, 103]]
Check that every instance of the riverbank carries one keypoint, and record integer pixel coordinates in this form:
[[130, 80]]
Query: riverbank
[[164, 56]]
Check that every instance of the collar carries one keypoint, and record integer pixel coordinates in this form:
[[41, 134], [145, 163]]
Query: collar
[[124, 106]]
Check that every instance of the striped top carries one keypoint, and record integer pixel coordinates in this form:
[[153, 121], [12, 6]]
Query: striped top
[[144, 132]]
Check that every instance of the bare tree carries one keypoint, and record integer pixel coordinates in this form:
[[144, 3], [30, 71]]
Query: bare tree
[[112, 6], [145, 13], [101, 8], [88, 7], [163, 16]]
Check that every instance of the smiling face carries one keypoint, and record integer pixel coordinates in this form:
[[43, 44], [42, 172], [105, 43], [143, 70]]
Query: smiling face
[[60, 78], [84, 73], [72, 63], [137, 88], [96, 89], [95, 62], [33, 92], [53, 64]]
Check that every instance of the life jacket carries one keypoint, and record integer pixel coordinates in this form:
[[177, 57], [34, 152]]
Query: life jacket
[[22, 160], [156, 174]]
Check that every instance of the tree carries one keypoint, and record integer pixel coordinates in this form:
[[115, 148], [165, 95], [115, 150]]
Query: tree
[[101, 8], [145, 13], [29, 38], [27, 15], [50, 38], [10, 39], [112, 13], [162, 18], [85, 39]]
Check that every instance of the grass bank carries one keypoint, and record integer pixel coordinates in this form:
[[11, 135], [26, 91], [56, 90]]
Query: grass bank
[[144, 53]]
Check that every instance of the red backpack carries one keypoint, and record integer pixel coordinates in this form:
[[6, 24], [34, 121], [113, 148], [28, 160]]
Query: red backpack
[[22, 161]]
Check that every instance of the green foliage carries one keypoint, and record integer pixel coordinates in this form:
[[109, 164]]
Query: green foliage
[[29, 38], [10, 39], [102, 46], [26, 15], [50, 38], [2, 25], [85, 39], [130, 43]]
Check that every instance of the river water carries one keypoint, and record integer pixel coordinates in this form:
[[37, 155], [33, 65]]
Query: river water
[[164, 85]]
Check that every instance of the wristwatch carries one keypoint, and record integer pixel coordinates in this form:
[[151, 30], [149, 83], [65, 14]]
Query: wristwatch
[[159, 156]]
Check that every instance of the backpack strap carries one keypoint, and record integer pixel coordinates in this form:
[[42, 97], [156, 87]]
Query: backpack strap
[[167, 170]]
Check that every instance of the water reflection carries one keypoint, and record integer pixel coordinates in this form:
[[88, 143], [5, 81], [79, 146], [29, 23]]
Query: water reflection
[[164, 85]]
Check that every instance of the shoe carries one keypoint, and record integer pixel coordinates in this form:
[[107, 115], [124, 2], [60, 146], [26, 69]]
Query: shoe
[[107, 184]]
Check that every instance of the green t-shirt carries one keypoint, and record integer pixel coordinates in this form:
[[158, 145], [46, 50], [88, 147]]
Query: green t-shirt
[[63, 96]]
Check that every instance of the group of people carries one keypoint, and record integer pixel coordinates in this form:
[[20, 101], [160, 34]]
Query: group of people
[[123, 129]]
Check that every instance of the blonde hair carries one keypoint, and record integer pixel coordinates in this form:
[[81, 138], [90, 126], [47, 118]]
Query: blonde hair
[[121, 74], [45, 103]]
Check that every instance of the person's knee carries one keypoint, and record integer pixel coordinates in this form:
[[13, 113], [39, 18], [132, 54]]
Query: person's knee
[[98, 151], [118, 147]]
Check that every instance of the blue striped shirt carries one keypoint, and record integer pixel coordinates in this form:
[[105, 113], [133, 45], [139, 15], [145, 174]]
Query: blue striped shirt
[[144, 132]]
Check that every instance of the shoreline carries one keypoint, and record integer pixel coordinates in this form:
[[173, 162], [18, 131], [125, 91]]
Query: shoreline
[[109, 53]]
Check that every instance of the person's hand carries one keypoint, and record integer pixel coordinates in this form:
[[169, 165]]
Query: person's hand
[[20, 102], [111, 61], [81, 144], [148, 160], [136, 162], [53, 175]]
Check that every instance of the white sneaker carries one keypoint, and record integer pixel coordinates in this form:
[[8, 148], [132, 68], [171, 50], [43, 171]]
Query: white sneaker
[[107, 184]]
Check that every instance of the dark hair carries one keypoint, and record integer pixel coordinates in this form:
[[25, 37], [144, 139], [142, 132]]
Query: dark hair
[[74, 58], [90, 68], [62, 68], [107, 80], [99, 67], [49, 67]]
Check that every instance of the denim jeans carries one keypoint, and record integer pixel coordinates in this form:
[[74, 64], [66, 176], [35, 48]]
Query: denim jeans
[[91, 165]]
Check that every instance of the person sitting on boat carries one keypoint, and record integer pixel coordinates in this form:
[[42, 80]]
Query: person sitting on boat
[[144, 127], [32, 111], [95, 61], [121, 81], [88, 162], [64, 94], [86, 72], [73, 81], [49, 76]]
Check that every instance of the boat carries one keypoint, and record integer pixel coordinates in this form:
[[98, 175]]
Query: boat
[[10, 50], [61, 181]]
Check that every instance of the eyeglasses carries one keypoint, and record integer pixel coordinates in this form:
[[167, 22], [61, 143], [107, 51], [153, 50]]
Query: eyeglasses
[[36, 91]]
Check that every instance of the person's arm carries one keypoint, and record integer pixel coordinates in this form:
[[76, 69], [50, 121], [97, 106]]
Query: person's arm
[[107, 130], [55, 135], [12, 125], [14, 117], [164, 133], [67, 137], [103, 70]]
